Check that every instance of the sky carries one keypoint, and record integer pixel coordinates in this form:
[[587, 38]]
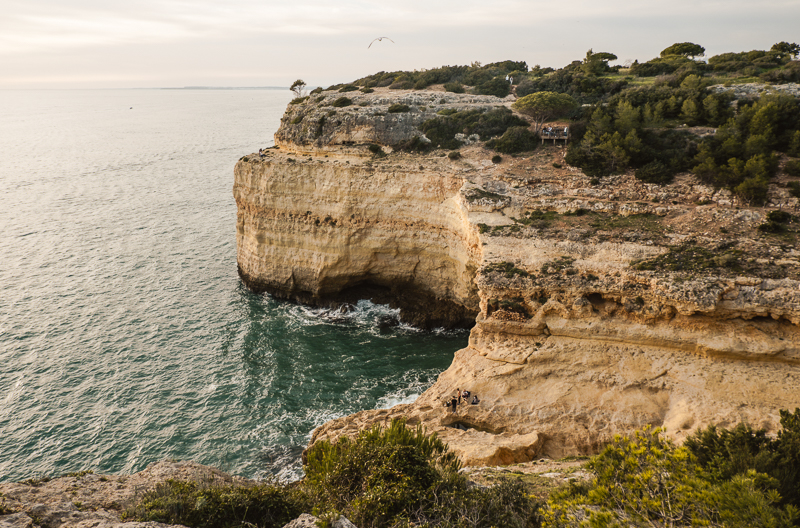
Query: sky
[[54, 44]]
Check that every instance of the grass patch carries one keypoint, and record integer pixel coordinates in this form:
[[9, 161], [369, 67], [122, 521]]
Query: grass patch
[[537, 219], [506, 268], [473, 195], [691, 257]]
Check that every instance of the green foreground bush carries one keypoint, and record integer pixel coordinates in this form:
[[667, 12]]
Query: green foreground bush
[[219, 506], [401, 477], [737, 478], [397, 477]]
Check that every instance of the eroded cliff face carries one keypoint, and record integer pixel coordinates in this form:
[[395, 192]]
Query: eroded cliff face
[[601, 306]]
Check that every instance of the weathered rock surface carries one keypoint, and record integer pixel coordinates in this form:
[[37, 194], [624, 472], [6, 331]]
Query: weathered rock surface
[[95, 501], [575, 340]]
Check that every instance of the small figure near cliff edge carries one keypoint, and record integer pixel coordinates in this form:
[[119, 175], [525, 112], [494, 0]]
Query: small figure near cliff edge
[[453, 404], [475, 400]]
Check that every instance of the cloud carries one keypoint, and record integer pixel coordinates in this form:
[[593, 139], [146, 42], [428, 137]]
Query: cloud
[[263, 38]]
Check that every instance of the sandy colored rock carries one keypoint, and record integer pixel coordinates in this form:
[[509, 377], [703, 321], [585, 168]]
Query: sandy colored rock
[[575, 339]]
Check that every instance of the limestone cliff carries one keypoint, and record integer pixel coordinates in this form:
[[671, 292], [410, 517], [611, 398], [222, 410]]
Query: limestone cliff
[[599, 306]]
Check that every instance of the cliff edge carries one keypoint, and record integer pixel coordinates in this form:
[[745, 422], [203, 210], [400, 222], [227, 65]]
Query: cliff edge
[[598, 306]]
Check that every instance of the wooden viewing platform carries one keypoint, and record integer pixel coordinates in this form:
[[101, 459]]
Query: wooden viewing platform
[[555, 131]]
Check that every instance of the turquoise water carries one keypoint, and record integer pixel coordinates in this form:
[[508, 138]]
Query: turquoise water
[[126, 336]]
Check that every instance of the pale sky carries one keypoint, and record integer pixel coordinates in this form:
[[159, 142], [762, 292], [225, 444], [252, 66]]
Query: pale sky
[[175, 43]]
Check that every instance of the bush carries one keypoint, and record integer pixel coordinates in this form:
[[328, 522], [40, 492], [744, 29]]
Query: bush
[[781, 217], [367, 90], [454, 87], [402, 477], [497, 159], [442, 129], [655, 172], [515, 139], [792, 168], [497, 87], [212, 506], [348, 88], [454, 155], [727, 453], [645, 480], [398, 108], [341, 102]]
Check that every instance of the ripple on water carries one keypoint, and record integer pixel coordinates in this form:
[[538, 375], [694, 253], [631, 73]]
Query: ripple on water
[[126, 336]]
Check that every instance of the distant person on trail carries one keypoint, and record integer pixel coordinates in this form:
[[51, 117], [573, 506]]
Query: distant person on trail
[[454, 404], [465, 395], [475, 400]]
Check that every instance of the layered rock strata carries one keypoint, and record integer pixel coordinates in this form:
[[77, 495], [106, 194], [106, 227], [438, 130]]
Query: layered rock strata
[[599, 306]]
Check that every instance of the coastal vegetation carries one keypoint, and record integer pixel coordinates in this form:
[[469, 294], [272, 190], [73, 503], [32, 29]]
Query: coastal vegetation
[[399, 476], [672, 114]]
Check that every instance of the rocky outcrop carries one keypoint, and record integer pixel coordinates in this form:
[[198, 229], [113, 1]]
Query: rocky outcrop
[[599, 306], [87, 500]]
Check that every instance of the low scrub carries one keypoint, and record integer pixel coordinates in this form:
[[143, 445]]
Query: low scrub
[[341, 102], [515, 139], [219, 506]]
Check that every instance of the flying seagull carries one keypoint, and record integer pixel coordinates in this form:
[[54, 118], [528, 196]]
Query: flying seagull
[[379, 38]]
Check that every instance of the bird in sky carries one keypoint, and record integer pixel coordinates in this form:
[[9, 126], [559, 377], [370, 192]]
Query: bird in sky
[[379, 38]]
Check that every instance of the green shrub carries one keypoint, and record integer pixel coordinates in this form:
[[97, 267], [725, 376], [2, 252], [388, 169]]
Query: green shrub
[[454, 87], [792, 168], [398, 108], [497, 158], [401, 477], [781, 217], [497, 87], [401, 85], [487, 124], [219, 506], [415, 144], [772, 227], [794, 189], [317, 90], [376, 150], [693, 258], [298, 100], [454, 155], [655, 172], [727, 453], [341, 102], [506, 268], [645, 480], [515, 139], [367, 90], [348, 88]]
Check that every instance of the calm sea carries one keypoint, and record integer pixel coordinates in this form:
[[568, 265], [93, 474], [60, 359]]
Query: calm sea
[[126, 336]]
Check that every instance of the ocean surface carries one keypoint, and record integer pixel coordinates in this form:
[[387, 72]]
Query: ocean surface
[[126, 336]]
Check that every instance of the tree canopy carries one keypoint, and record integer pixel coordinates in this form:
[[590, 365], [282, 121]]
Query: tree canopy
[[685, 49], [597, 63], [298, 87], [542, 106], [786, 48]]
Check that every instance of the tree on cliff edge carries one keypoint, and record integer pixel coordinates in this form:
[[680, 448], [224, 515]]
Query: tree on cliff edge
[[298, 87]]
